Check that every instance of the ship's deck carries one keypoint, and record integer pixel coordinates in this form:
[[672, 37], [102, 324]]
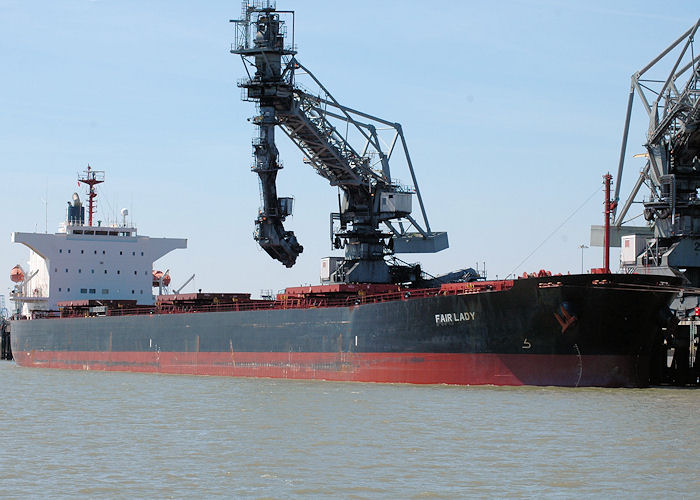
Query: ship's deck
[[305, 297]]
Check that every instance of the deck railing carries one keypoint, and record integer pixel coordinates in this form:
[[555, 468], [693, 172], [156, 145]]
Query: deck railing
[[296, 302]]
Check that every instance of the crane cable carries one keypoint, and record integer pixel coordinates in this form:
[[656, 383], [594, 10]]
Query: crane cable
[[555, 231]]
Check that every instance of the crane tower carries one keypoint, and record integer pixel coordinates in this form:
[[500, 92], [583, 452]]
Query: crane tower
[[671, 100], [351, 149], [669, 91]]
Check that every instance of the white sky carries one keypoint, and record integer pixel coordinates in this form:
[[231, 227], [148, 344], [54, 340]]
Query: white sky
[[513, 111]]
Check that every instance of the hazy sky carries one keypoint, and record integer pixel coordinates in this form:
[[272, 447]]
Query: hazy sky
[[513, 111]]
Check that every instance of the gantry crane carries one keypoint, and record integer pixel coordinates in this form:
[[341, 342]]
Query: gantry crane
[[670, 244], [672, 169], [351, 149]]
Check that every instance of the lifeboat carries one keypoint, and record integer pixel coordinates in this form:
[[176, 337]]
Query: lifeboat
[[17, 274], [157, 275]]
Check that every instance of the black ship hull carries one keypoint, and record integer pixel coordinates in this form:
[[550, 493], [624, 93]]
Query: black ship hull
[[583, 330]]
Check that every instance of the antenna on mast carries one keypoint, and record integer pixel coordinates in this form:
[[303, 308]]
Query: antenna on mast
[[92, 178]]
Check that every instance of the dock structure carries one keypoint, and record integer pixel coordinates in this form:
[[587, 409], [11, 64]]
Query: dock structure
[[5, 348]]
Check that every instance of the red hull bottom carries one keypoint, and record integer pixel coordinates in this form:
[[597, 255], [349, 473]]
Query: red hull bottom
[[413, 368]]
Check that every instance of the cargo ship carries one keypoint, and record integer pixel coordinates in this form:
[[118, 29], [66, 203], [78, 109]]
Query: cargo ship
[[87, 304], [87, 300], [558, 331]]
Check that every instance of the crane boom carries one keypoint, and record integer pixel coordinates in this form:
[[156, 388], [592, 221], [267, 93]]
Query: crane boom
[[349, 148]]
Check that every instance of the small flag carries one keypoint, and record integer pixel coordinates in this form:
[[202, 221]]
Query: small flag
[[78, 183]]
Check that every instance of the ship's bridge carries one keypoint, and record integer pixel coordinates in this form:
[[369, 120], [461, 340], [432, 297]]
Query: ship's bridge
[[118, 231], [99, 263], [87, 261]]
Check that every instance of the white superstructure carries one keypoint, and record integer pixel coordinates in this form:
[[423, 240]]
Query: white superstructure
[[83, 262]]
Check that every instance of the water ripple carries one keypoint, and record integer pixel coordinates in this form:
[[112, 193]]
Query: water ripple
[[124, 435]]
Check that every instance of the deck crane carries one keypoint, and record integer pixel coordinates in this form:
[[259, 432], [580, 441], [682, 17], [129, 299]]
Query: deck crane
[[351, 149]]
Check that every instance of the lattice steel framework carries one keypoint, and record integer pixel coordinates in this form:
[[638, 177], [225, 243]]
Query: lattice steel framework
[[351, 149]]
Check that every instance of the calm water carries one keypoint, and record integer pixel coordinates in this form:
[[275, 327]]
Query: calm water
[[95, 434]]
